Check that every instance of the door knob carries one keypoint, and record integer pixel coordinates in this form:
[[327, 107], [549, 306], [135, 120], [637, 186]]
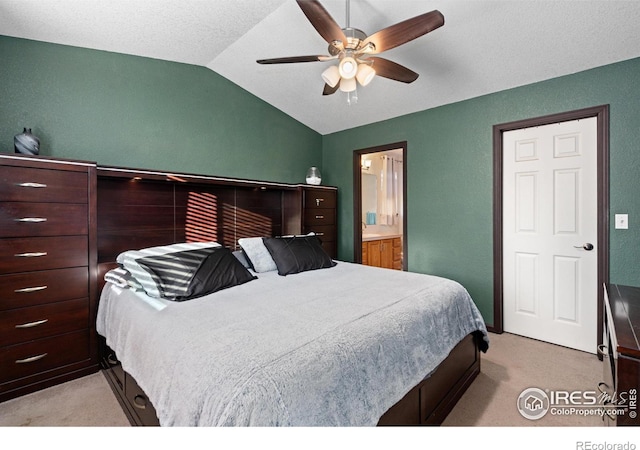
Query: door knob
[[588, 246]]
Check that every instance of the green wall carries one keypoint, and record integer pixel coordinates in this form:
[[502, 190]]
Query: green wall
[[449, 173], [138, 112]]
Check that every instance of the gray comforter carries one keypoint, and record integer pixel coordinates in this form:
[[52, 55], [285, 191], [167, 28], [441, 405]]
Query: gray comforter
[[329, 347]]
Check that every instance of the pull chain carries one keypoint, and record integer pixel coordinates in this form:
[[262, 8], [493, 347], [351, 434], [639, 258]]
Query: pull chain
[[348, 25]]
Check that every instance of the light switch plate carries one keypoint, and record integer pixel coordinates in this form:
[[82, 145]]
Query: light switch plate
[[622, 221]]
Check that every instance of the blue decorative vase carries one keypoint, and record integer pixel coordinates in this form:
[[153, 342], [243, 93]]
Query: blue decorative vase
[[26, 143]]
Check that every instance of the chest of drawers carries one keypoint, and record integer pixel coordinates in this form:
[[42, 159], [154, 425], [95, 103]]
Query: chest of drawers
[[313, 209], [319, 216], [47, 273], [621, 355]]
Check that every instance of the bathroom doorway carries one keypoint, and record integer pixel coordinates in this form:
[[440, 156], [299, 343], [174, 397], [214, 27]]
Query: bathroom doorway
[[380, 216]]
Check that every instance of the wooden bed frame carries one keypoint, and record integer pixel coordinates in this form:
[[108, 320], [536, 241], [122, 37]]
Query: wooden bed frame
[[138, 209]]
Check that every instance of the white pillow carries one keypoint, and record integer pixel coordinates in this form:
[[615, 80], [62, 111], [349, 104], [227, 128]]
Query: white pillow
[[258, 254], [128, 261]]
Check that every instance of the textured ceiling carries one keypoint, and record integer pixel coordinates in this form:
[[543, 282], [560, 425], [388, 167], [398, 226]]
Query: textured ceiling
[[484, 46]]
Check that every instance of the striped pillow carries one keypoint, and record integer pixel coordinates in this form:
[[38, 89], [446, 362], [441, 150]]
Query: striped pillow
[[190, 274], [128, 261]]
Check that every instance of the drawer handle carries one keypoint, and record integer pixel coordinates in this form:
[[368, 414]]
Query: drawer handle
[[602, 349], [319, 234], [31, 359], [32, 324], [319, 217], [32, 219], [112, 360], [32, 185], [30, 254], [31, 289], [318, 201], [140, 402]]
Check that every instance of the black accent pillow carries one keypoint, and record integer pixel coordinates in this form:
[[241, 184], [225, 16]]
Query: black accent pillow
[[190, 274], [295, 254]]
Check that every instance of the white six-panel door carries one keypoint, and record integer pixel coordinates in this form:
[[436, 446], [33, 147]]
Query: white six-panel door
[[549, 225]]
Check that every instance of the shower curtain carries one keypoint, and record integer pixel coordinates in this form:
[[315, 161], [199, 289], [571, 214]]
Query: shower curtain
[[390, 185]]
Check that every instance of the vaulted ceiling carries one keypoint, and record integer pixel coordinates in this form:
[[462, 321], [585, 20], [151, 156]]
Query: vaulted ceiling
[[484, 46]]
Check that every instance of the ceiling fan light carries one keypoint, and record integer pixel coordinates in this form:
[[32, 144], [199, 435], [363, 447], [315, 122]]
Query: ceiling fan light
[[331, 76], [365, 74], [348, 67], [348, 84]]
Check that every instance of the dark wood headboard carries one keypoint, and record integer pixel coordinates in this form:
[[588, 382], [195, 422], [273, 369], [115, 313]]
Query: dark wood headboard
[[138, 209]]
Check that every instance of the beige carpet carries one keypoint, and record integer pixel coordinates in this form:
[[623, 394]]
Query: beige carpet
[[85, 402], [511, 365]]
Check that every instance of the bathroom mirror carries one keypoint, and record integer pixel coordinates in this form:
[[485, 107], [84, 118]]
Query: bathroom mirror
[[369, 198]]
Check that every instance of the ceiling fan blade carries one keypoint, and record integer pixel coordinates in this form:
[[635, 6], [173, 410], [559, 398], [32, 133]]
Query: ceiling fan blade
[[322, 21], [328, 90], [394, 71], [292, 59], [405, 31]]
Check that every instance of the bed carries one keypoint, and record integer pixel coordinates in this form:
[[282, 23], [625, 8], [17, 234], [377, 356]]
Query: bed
[[329, 343]]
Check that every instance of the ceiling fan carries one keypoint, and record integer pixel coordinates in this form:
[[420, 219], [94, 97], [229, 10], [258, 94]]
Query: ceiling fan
[[353, 49]]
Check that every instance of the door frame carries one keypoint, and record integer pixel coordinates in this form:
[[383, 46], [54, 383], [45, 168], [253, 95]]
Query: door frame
[[357, 198], [602, 115]]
